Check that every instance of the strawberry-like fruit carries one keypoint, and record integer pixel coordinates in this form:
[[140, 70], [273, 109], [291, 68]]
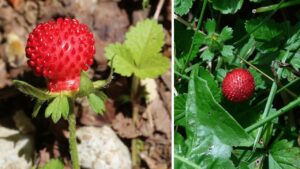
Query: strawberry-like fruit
[[59, 50], [238, 85]]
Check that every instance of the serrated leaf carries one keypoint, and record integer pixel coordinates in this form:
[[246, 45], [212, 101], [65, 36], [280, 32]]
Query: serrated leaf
[[210, 26], [210, 114], [293, 43], [207, 55], [86, 85], [198, 40], [140, 54], [57, 108], [284, 156], [226, 33], [123, 61], [182, 7], [96, 103], [227, 51], [37, 107], [267, 31], [31, 90], [53, 164], [258, 78], [227, 7]]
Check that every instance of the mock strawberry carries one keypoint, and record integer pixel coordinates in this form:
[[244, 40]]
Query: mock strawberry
[[238, 85], [59, 50]]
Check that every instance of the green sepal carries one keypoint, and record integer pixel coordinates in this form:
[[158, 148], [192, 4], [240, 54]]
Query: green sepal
[[86, 85], [37, 107], [53, 163], [31, 90], [57, 108], [97, 103]]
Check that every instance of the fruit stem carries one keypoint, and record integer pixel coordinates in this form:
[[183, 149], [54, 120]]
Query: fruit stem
[[270, 100], [196, 31], [276, 6], [283, 110], [72, 138]]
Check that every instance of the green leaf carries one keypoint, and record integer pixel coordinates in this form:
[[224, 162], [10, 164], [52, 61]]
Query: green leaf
[[182, 7], [123, 61], [227, 51], [57, 108], [179, 109], [207, 55], [37, 107], [227, 7], [260, 83], [293, 43], [212, 84], [209, 113], [96, 103], [53, 164], [210, 26], [198, 40], [226, 33], [86, 85], [31, 90], [267, 31], [284, 156], [140, 54]]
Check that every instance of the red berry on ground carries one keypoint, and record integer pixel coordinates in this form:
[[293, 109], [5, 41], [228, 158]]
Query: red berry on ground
[[59, 50], [238, 85]]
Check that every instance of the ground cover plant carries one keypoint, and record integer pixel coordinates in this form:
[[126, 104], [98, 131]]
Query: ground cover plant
[[96, 77], [222, 119]]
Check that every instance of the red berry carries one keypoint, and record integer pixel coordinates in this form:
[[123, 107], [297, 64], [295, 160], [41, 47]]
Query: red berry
[[59, 50], [238, 85]]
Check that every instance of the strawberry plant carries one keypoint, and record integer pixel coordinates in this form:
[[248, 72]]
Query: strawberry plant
[[235, 85], [61, 51], [139, 57]]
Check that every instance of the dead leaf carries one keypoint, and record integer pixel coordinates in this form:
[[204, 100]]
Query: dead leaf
[[125, 127]]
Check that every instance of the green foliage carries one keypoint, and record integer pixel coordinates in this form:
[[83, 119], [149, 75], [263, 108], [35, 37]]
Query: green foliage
[[263, 30], [140, 54], [96, 103], [284, 156], [59, 107], [182, 7], [227, 7], [208, 129], [53, 164], [31, 90], [86, 85]]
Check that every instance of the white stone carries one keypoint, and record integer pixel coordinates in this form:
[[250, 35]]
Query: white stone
[[100, 148], [14, 148]]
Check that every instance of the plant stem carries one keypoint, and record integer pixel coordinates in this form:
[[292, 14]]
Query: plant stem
[[134, 98], [196, 31], [270, 100], [283, 110], [72, 139], [136, 144], [276, 6]]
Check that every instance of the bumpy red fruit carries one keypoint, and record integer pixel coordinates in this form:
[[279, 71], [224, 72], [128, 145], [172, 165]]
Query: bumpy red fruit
[[59, 50], [238, 85]]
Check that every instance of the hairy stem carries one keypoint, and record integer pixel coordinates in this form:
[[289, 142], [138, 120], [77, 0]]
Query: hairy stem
[[283, 110], [72, 138], [276, 6]]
